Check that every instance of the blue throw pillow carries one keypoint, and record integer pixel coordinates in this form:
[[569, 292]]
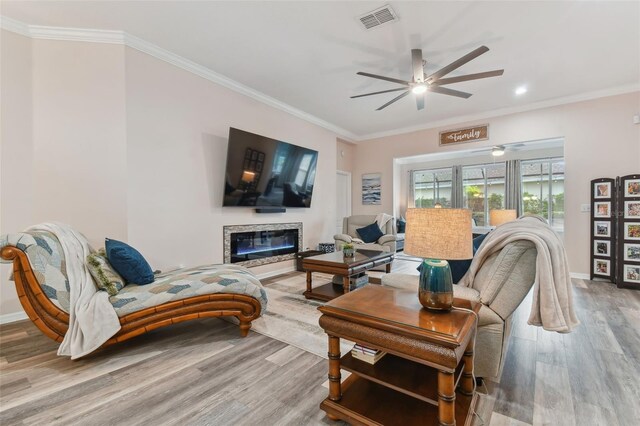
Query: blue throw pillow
[[401, 224], [128, 262], [460, 267], [370, 233]]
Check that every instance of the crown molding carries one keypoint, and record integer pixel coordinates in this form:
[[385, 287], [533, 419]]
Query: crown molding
[[77, 34], [620, 90], [14, 26], [204, 72], [121, 37]]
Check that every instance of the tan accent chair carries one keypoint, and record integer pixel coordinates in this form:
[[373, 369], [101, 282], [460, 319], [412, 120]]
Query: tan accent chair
[[349, 225], [500, 285]]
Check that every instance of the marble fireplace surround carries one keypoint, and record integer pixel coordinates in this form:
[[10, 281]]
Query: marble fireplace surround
[[232, 229]]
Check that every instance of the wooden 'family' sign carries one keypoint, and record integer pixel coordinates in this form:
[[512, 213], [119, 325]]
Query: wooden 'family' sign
[[470, 134]]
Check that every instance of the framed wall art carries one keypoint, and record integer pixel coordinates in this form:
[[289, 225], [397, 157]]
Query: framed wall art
[[602, 248], [601, 267], [631, 273], [631, 252], [602, 190], [631, 188], [371, 189], [629, 231], [602, 209], [603, 223], [632, 209], [602, 229]]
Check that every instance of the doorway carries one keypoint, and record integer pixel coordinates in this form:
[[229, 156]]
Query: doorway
[[343, 198]]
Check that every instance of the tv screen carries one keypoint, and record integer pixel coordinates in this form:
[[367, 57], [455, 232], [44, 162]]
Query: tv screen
[[265, 172]]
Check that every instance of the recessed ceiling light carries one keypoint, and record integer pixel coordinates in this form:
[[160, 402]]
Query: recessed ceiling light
[[521, 90], [420, 88]]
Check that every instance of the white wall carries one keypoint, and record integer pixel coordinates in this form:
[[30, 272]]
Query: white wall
[[16, 149], [345, 155], [119, 144], [600, 140], [79, 137], [177, 129]]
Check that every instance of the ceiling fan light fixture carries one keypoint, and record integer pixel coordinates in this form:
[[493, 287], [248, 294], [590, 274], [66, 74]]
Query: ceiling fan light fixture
[[419, 89], [521, 90], [419, 83], [497, 151]]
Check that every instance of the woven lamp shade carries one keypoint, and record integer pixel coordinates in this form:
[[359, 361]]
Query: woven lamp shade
[[439, 234], [498, 217]]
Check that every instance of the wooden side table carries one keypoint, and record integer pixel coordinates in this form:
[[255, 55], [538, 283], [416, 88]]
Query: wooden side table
[[429, 356]]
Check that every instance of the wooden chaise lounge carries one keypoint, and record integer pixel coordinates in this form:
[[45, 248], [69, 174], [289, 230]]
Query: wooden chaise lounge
[[39, 272]]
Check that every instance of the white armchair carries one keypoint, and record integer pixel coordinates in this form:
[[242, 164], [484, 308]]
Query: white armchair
[[351, 223]]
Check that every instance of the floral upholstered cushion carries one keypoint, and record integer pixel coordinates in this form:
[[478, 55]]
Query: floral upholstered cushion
[[47, 262], [185, 283], [105, 277]]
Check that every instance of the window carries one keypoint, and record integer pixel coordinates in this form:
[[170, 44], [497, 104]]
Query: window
[[543, 189], [305, 164], [483, 190], [431, 187]]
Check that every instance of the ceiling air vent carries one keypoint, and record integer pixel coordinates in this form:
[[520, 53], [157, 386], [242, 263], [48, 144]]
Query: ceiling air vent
[[378, 17]]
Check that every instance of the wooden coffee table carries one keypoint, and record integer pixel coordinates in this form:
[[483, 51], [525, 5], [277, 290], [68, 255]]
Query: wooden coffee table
[[429, 355], [335, 263]]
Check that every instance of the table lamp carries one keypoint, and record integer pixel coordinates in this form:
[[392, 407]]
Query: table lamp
[[499, 216], [435, 235], [247, 179]]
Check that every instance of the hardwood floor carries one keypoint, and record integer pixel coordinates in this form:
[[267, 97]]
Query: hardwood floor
[[202, 372]]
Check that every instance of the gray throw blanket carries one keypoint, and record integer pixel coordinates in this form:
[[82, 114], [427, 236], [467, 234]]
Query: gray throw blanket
[[552, 306]]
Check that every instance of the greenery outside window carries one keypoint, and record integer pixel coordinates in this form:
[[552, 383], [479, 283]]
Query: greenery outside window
[[483, 190], [543, 189], [431, 187]]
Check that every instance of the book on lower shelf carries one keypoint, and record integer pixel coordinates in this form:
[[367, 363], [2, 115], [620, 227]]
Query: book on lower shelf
[[355, 281], [366, 354]]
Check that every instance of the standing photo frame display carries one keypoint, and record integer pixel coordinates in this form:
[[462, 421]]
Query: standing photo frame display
[[628, 261], [603, 226]]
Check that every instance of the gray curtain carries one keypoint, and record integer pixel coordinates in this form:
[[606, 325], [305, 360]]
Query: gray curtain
[[457, 198], [411, 199], [513, 187]]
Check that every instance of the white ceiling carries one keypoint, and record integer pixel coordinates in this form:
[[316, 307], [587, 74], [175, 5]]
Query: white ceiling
[[306, 54]]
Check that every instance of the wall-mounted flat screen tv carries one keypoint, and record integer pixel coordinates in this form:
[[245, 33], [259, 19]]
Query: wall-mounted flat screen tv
[[264, 172]]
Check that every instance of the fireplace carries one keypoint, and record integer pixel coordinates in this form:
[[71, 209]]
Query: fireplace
[[252, 245]]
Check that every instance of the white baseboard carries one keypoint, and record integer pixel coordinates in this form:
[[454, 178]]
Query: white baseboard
[[580, 276], [16, 316], [270, 274]]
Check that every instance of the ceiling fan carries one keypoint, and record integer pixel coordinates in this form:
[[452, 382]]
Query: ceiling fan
[[421, 83], [499, 150]]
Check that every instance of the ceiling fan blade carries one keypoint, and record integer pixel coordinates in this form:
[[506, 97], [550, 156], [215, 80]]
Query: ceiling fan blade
[[468, 77], [458, 63], [380, 77], [450, 92], [377, 93], [420, 101], [402, 95], [416, 61]]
